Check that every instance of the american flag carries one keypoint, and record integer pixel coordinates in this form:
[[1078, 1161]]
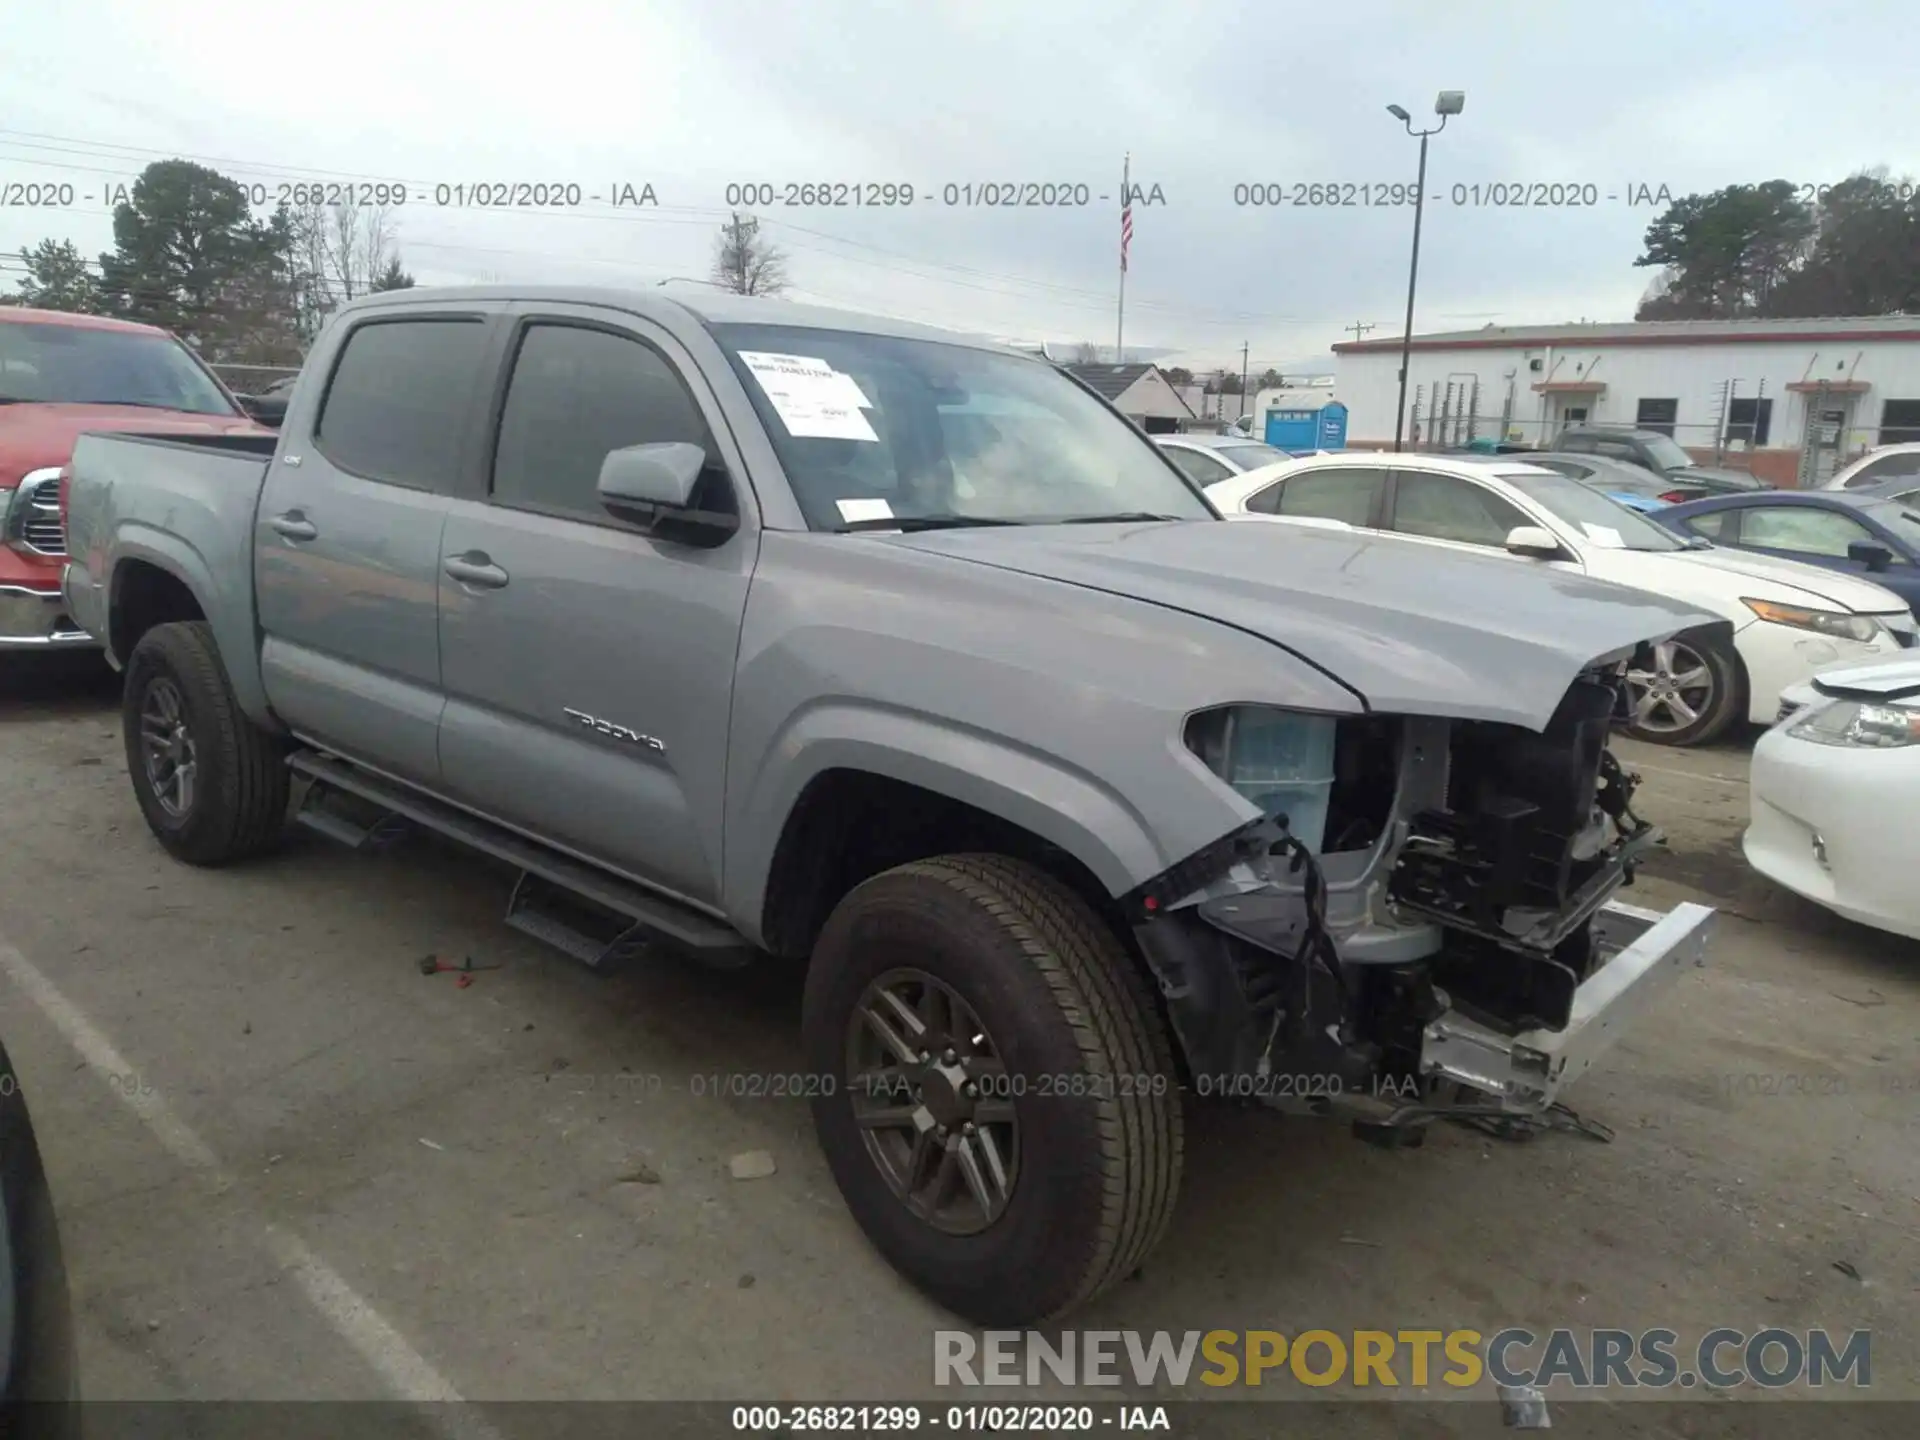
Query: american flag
[[1126, 222]]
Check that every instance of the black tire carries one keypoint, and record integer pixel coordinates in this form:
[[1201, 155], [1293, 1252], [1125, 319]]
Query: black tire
[[1717, 705], [237, 806], [1055, 989]]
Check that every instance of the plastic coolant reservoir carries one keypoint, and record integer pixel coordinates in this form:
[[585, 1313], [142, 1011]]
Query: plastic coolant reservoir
[[1282, 761]]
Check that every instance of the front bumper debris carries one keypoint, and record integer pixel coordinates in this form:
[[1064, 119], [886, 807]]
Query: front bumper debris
[[1523, 1074], [38, 620]]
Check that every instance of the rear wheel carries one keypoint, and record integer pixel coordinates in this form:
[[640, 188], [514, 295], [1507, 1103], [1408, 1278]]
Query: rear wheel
[[1004, 1120], [1690, 690], [212, 785]]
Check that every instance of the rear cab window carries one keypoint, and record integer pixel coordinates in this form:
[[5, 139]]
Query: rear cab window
[[397, 402]]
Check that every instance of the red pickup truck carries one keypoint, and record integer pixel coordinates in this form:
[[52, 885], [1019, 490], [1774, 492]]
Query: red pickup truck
[[62, 374]]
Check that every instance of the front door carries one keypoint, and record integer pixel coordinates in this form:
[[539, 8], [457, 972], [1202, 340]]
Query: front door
[[347, 541], [589, 667], [1823, 451]]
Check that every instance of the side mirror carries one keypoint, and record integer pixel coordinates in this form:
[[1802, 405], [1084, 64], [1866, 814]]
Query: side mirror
[[267, 410], [1534, 542], [1865, 552], [654, 486]]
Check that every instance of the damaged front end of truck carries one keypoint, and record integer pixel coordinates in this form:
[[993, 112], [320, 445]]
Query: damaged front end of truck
[[1443, 940]]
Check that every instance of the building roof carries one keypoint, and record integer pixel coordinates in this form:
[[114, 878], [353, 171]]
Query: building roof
[[1654, 332], [27, 315], [1112, 381]]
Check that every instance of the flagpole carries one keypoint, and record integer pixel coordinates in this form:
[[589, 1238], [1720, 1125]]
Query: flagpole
[[1120, 319]]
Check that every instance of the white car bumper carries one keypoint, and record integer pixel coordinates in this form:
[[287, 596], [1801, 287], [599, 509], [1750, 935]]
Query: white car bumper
[[1777, 656], [1834, 824]]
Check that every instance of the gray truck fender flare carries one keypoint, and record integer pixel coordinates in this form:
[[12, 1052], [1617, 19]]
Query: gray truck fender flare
[[1041, 794], [227, 613]]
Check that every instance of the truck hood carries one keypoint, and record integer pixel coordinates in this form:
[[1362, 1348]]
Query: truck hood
[[1411, 629], [35, 435]]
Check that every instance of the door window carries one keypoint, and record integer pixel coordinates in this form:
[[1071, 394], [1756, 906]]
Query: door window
[[1802, 529], [1904, 466], [1346, 494], [576, 395], [1720, 526], [396, 407], [1201, 469], [1445, 507]]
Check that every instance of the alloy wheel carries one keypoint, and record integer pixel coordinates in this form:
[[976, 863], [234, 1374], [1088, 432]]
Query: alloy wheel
[[933, 1101], [1674, 693], [166, 749]]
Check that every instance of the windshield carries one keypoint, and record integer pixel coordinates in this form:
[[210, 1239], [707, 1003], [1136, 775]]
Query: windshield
[[81, 365], [1252, 457], [1667, 455], [1604, 523], [871, 428]]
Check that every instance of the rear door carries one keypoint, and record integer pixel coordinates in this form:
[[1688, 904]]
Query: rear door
[[347, 539], [1351, 494], [589, 666]]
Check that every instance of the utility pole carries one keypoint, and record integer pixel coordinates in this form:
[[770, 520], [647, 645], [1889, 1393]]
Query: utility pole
[[1243, 379], [1359, 330]]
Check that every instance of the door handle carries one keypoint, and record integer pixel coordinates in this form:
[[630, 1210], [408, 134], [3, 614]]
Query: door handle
[[476, 568], [295, 526]]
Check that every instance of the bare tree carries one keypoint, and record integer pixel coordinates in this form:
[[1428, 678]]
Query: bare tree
[[745, 262], [1086, 353], [339, 252]]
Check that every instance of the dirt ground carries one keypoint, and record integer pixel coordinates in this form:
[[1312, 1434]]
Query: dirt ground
[[287, 1165]]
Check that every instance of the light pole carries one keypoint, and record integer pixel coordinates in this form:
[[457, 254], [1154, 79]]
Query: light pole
[[1451, 102]]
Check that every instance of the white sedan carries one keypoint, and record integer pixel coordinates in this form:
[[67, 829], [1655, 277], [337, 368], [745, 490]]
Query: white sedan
[[1888, 464], [1789, 620], [1834, 789]]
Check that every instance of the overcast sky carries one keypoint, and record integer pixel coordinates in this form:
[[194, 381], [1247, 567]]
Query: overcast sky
[[692, 95]]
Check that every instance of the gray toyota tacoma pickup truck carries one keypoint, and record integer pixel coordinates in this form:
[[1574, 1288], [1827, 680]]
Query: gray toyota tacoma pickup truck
[[755, 632]]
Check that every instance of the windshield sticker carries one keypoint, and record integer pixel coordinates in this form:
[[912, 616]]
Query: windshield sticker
[[812, 399], [1605, 536], [854, 511]]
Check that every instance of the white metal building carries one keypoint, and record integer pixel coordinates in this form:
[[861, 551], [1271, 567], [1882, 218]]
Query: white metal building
[[1790, 399]]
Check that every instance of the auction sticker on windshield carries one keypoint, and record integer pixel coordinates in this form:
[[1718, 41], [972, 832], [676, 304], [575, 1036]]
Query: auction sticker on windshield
[[1605, 536], [812, 399]]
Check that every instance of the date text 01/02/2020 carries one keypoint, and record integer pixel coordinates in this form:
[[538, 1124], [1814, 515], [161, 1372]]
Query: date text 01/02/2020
[[1391, 194], [444, 194], [968, 194]]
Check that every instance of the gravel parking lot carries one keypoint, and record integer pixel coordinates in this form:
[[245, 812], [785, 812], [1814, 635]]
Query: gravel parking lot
[[290, 1165]]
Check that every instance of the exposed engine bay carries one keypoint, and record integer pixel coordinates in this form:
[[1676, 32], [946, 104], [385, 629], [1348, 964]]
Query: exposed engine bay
[[1460, 896]]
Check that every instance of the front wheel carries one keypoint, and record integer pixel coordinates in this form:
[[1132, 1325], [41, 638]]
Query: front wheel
[[1687, 692], [212, 785], [1005, 1122]]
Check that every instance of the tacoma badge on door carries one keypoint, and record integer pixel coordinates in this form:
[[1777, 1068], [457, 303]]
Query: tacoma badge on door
[[618, 732]]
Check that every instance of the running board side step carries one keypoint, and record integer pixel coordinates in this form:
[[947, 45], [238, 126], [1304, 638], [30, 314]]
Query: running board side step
[[575, 907]]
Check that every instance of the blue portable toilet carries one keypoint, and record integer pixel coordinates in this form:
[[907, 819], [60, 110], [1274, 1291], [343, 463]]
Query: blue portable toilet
[[1301, 431]]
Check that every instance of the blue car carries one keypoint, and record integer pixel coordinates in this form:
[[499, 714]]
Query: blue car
[[1868, 532]]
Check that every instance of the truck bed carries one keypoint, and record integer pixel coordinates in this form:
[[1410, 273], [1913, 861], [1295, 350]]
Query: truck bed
[[183, 504]]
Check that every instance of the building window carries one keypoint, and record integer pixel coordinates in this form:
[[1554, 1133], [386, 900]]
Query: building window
[[1748, 422], [1899, 422], [1658, 415]]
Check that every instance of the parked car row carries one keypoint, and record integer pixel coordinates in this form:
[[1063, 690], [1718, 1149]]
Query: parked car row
[[1784, 620]]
